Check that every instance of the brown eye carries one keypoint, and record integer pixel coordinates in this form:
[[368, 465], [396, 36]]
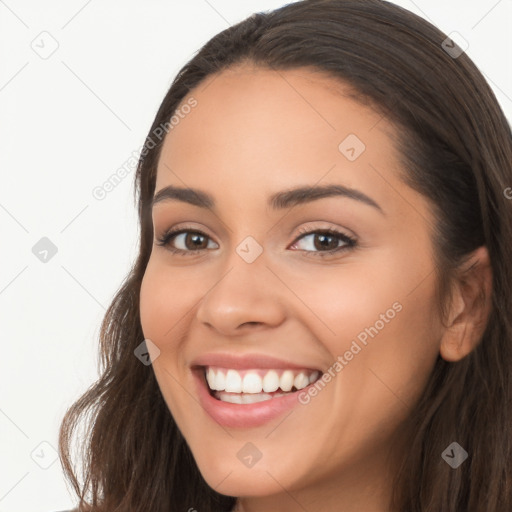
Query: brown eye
[[194, 241], [324, 241], [187, 241]]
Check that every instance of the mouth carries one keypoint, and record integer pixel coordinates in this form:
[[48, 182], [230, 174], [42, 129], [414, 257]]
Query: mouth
[[249, 390], [249, 386]]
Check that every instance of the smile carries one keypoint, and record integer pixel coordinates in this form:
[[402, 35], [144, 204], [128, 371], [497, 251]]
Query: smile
[[256, 385], [253, 407]]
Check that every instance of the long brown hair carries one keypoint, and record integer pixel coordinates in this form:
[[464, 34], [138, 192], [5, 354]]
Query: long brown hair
[[456, 149]]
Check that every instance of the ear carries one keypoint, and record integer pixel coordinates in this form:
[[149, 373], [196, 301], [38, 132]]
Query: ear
[[470, 308]]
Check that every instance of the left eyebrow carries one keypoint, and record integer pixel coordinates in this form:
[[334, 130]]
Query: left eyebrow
[[277, 201]]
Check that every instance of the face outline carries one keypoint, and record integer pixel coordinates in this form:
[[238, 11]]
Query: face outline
[[253, 133]]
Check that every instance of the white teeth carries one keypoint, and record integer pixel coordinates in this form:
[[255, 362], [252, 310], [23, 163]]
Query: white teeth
[[233, 382], [210, 378], [242, 398], [252, 383], [252, 399], [286, 380], [301, 381], [270, 382], [215, 381], [258, 381], [220, 381], [233, 398]]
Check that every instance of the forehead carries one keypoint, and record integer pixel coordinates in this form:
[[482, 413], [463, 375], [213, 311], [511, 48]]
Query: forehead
[[266, 128]]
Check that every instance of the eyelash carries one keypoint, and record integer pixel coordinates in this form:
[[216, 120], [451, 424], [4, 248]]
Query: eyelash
[[170, 234]]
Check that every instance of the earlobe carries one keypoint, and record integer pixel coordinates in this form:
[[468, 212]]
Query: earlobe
[[470, 309]]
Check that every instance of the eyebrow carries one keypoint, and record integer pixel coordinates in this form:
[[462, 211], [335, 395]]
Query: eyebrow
[[277, 201]]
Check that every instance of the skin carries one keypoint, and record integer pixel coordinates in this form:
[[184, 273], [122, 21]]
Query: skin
[[255, 132]]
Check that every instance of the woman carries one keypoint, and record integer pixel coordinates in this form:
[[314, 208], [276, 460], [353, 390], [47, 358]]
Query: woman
[[319, 317]]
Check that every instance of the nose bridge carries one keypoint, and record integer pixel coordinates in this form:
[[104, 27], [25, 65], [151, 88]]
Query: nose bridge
[[245, 292]]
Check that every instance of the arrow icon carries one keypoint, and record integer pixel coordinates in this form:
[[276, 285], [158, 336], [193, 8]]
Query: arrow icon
[[44, 455], [454, 45], [144, 350], [351, 147], [44, 250], [249, 455], [452, 454], [246, 249]]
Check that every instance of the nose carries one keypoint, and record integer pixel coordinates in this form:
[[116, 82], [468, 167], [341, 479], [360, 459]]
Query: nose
[[246, 297]]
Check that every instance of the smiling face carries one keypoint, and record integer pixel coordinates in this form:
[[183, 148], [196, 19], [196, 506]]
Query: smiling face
[[267, 281]]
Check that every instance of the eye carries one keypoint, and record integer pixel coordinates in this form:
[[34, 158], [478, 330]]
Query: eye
[[191, 240], [323, 242]]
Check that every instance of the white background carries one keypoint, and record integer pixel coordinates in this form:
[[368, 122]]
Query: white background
[[67, 122]]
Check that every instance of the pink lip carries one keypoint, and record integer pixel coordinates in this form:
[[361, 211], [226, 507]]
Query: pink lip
[[245, 361], [242, 415]]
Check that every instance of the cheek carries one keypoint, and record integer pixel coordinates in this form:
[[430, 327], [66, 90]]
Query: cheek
[[162, 314], [168, 299], [346, 300], [398, 355], [381, 319], [390, 296], [165, 298]]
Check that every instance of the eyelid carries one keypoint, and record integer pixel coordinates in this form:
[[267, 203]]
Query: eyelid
[[309, 228]]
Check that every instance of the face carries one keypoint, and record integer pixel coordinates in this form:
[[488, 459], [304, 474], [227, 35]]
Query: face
[[312, 313]]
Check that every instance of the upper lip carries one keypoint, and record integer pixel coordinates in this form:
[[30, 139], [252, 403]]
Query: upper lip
[[246, 361]]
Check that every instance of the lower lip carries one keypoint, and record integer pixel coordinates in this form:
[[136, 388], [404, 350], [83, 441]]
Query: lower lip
[[243, 415]]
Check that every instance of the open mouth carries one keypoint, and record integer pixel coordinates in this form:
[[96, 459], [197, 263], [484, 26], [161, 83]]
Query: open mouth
[[249, 386]]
